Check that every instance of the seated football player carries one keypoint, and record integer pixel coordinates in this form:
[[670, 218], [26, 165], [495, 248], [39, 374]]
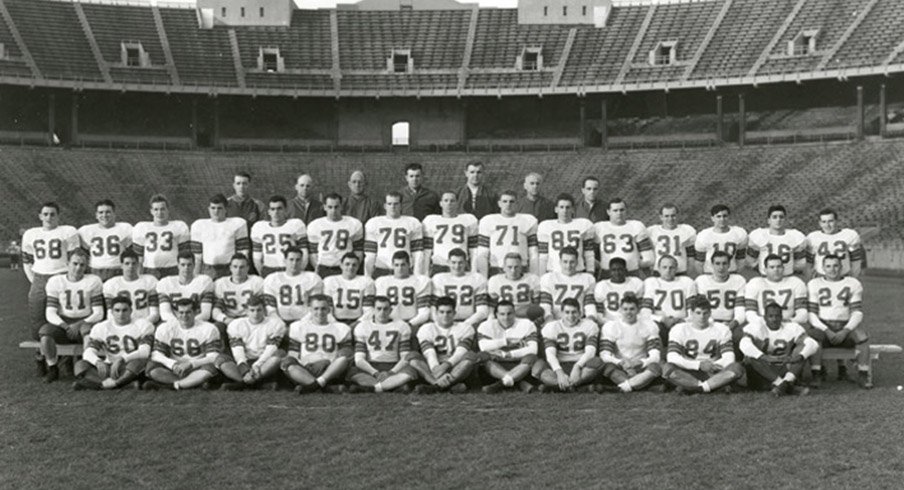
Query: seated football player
[[468, 289], [409, 294], [184, 353], [75, 302], [508, 345], [233, 292], [789, 292], [198, 288], [555, 287], [382, 348], [254, 342], [608, 293], [141, 288], [775, 352], [319, 350], [630, 348], [118, 350], [288, 292], [836, 314], [352, 294], [725, 292], [700, 353], [666, 297], [514, 286], [570, 345], [447, 351]]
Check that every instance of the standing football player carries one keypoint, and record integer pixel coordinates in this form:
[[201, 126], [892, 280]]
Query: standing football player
[[215, 240], [447, 231], [624, 238], [672, 238], [332, 237], [504, 233], [386, 235], [160, 241], [722, 236], [843, 243], [270, 239], [565, 231], [105, 240], [788, 244]]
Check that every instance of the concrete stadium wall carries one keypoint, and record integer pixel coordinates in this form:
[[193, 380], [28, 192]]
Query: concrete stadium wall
[[368, 122]]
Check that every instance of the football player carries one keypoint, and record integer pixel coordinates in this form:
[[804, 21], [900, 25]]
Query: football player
[[118, 350], [624, 238], [508, 347], [666, 298], [608, 293], [160, 241], [75, 302], [721, 237], [409, 295], [386, 235], [270, 239], [788, 244], [352, 295], [790, 293], [105, 240], [556, 287], [215, 240], [199, 289], [319, 350], [448, 231], [570, 344], [836, 314], [630, 348], [141, 289], [468, 289], [701, 353], [829, 240], [506, 232], [725, 292], [334, 236], [288, 293], [565, 231], [382, 348], [775, 352], [233, 292], [254, 342], [184, 351], [447, 351], [672, 238], [514, 286]]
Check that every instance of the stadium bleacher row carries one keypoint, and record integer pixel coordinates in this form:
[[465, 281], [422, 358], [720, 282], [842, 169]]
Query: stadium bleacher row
[[713, 39]]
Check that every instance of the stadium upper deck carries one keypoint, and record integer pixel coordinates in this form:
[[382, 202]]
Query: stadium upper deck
[[643, 46]]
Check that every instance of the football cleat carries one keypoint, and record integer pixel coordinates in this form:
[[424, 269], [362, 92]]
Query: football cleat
[[40, 367], [864, 379], [493, 388], [425, 389], [526, 387], [458, 389], [842, 372], [53, 374], [82, 385], [335, 389], [232, 386]]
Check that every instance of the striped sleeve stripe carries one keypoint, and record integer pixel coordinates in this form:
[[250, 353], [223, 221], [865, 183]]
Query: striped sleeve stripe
[[426, 345], [196, 247], [467, 343], [208, 297], [270, 300], [417, 245], [544, 247], [345, 344], [359, 246], [153, 299], [162, 347], [676, 347], [483, 241], [139, 249], [750, 304], [370, 246], [472, 241], [532, 337], [360, 347], [532, 241], [480, 300], [607, 345], [97, 300], [423, 301], [812, 307], [858, 254], [212, 346], [236, 342], [257, 246], [53, 301], [644, 245], [146, 340], [405, 345], [427, 244], [274, 340], [186, 247], [95, 344], [753, 253]]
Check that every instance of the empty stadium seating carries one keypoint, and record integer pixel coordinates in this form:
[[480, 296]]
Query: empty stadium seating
[[597, 55], [202, 56], [500, 39], [113, 25], [874, 39], [305, 44]]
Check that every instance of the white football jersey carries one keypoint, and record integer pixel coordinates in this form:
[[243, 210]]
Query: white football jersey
[[669, 298], [382, 342], [626, 241], [216, 241], [444, 341], [570, 341], [311, 342], [553, 236], [608, 295], [48, 250], [104, 245], [350, 296], [186, 344], [790, 293], [726, 298], [112, 341], [835, 300], [384, 236], [701, 344], [788, 245], [271, 241], [199, 290], [289, 294], [779, 342], [254, 338], [232, 298], [503, 235], [330, 240], [159, 245], [556, 287], [142, 292], [673, 242], [628, 342], [406, 295], [844, 243], [441, 235], [519, 335], [74, 299], [469, 291], [521, 292], [733, 242]]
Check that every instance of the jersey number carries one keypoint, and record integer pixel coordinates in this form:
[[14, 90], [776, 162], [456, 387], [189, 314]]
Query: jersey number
[[401, 296], [516, 294], [164, 243], [288, 295], [230, 299], [341, 240], [111, 245], [81, 300], [692, 348], [463, 295], [825, 296], [559, 239], [676, 298], [563, 342], [139, 299], [782, 250], [841, 248], [716, 299], [783, 294], [610, 243], [113, 344], [180, 347], [399, 237], [458, 233], [348, 298], [376, 343], [326, 342], [270, 243], [53, 250], [503, 229], [562, 291], [666, 248]]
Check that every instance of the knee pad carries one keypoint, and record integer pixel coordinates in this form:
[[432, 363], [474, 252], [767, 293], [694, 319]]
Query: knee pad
[[136, 366], [471, 357], [654, 368], [736, 368], [529, 359], [415, 356], [80, 367], [221, 359], [667, 370], [409, 371], [595, 363]]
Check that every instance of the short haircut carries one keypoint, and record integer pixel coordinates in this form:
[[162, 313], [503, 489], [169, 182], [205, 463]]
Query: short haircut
[[615, 200], [831, 257], [776, 207], [105, 202], [473, 163], [569, 251], [772, 305], [668, 205], [718, 208], [382, 299], [185, 302], [321, 297], [243, 174], [255, 300], [401, 255], [185, 254], [128, 254], [571, 302], [533, 174], [666, 257], [630, 299], [158, 198], [702, 303], [293, 250], [445, 301], [349, 255], [719, 253], [239, 257], [618, 261], [51, 204], [395, 194], [564, 197], [278, 199], [508, 193], [334, 196], [452, 193], [772, 257], [828, 211], [218, 199], [121, 300], [414, 166], [504, 302], [457, 252], [512, 255], [589, 178], [79, 252]]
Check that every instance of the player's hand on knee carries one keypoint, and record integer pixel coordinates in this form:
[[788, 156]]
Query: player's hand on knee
[[382, 376], [116, 370], [103, 369], [181, 368], [562, 379], [707, 366]]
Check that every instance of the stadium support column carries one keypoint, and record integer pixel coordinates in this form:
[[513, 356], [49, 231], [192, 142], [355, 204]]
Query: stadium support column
[[742, 120], [582, 113], [720, 132], [860, 114], [883, 112], [73, 120], [51, 117], [604, 124], [463, 136], [215, 137], [194, 122]]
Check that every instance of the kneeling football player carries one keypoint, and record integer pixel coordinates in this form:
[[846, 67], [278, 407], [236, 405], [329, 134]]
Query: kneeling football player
[[184, 351], [701, 353], [509, 348], [630, 348], [319, 350], [382, 349], [254, 342], [447, 351], [775, 353], [118, 349], [570, 346]]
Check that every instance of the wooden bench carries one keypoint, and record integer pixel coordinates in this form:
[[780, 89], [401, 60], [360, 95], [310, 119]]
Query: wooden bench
[[63, 350], [829, 354]]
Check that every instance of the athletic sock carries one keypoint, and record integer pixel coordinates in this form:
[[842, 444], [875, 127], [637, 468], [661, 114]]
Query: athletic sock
[[790, 377], [625, 386], [378, 388], [321, 381], [508, 381], [705, 387]]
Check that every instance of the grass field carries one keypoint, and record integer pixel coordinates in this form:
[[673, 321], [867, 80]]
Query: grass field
[[840, 436]]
